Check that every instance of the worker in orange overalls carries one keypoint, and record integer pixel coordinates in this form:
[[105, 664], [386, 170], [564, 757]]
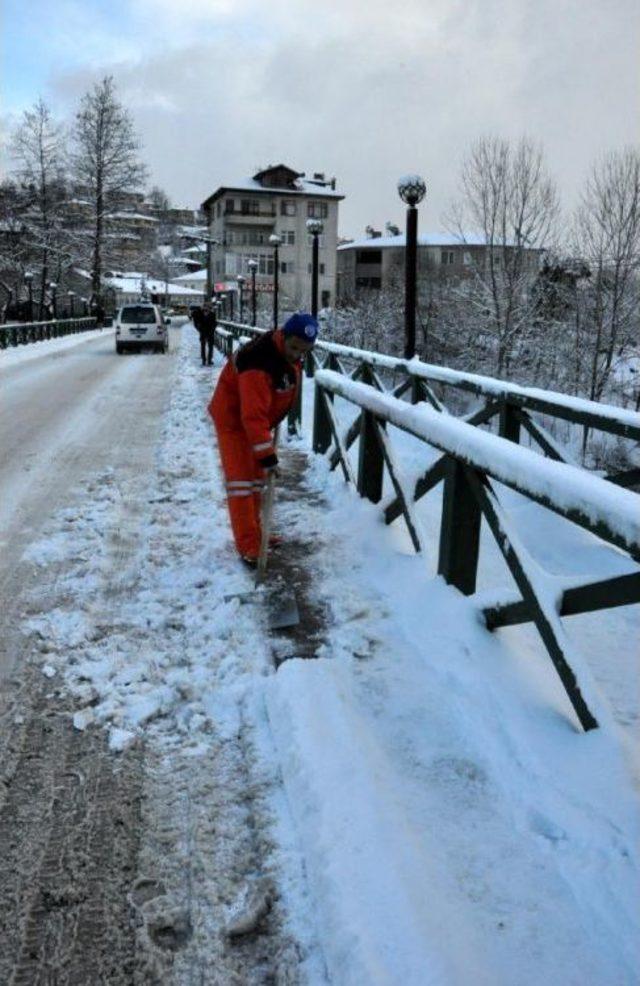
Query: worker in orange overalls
[[255, 391]]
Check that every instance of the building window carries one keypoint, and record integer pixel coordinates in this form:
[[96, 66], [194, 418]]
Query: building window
[[369, 257], [320, 241], [287, 267], [321, 268], [229, 205], [288, 208], [326, 299], [288, 237], [249, 207], [219, 209], [317, 210], [446, 257]]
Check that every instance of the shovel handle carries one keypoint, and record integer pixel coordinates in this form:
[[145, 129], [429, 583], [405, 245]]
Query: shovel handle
[[267, 513]]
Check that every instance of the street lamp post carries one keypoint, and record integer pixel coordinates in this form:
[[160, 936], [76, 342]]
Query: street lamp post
[[275, 242], [315, 227], [240, 280], [28, 279], [411, 190], [253, 266], [53, 287], [71, 295]]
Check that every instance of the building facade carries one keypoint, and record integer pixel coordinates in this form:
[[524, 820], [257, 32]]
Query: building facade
[[377, 262], [242, 216]]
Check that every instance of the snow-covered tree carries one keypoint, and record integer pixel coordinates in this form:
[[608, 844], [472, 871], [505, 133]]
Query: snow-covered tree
[[607, 239], [508, 198], [105, 165], [37, 147]]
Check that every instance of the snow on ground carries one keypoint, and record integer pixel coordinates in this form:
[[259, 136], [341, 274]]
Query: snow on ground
[[435, 817], [22, 354]]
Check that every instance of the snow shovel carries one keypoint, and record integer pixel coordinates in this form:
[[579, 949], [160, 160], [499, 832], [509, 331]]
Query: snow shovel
[[281, 604]]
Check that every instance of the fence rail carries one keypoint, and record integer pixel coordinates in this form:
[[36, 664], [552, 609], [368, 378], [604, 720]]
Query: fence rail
[[509, 402], [22, 333], [471, 462]]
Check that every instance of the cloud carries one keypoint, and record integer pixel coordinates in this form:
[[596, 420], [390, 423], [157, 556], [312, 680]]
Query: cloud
[[365, 91]]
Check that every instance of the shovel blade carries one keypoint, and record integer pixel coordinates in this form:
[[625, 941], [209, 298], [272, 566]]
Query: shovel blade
[[282, 611]]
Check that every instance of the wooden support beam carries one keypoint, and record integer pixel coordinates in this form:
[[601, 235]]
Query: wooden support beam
[[435, 472], [547, 621], [344, 458], [509, 422], [459, 530], [546, 441], [624, 590], [406, 506]]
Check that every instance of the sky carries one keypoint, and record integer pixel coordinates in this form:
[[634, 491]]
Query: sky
[[362, 90]]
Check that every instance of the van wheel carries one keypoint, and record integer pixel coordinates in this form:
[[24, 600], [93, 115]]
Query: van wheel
[[119, 349]]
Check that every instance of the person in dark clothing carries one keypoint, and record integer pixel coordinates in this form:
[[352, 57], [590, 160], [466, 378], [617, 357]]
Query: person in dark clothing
[[206, 326]]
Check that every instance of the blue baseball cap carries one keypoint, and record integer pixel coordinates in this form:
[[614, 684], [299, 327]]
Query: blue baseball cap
[[303, 325]]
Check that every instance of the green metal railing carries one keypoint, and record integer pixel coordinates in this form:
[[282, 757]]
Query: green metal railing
[[22, 333]]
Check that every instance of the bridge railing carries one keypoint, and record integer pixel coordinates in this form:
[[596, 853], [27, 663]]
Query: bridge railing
[[509, 404], [21, 333], [471, 461]]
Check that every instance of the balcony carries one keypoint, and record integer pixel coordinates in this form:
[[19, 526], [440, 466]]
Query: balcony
[[238, 218]]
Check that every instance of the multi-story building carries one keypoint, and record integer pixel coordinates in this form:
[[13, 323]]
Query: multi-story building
[[241, 216], [377, 262]]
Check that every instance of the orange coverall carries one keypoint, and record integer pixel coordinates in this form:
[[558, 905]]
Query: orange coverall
[[255, 391]]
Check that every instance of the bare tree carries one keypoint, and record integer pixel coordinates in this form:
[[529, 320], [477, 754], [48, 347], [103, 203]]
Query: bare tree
[[37, 147], [105, 164], [607, 238], [510, 201]]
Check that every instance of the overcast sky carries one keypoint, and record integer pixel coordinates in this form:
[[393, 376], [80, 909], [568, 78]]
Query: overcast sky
[[366, 90]]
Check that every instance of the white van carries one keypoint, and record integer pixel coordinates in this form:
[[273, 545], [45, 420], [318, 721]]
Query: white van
[[141, 324]]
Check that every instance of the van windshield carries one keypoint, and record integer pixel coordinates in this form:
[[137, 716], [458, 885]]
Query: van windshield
[[138, 314]]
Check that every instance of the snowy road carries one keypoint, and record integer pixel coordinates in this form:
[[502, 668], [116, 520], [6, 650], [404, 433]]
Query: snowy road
[[63, 416]]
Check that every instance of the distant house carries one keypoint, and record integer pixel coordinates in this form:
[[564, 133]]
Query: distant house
[[377, 262], [121, 288], [243, 214]]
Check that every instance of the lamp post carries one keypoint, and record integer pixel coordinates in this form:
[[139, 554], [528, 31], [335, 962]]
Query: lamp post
[[53, 287], [253, 266], [275, 242], [411, 190], [315, 227], [28, 280], [71, 296], [240, 280]]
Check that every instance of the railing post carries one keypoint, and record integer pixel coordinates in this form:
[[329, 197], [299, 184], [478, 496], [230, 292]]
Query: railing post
[[509, 421], [321, 422], [370, 459], [294, 417], [459, 530]]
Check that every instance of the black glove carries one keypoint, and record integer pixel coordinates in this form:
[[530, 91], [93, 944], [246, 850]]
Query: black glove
[[270, 464]]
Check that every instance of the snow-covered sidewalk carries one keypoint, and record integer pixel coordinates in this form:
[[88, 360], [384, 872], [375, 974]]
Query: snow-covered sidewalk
[[427, 811]]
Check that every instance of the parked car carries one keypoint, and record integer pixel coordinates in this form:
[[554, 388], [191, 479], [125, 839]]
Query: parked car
[[141, 324]]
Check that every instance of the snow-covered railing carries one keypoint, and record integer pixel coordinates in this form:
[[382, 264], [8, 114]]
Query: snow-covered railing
[[21, 333], [510, 403], [471, 459]]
